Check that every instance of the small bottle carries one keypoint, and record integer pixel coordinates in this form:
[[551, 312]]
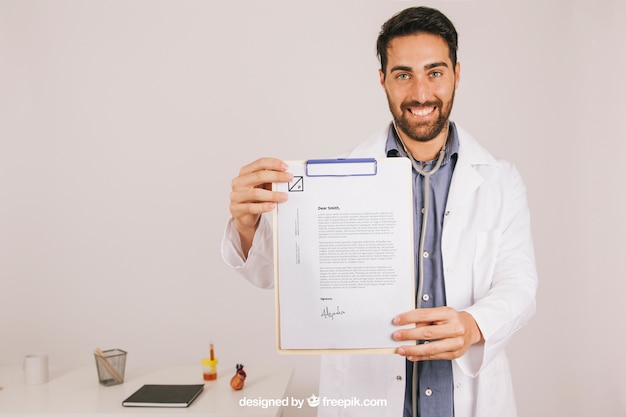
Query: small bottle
[[236, 382], [209, 367]]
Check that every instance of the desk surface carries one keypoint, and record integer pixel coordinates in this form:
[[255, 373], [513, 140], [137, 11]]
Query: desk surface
[[77, 391]]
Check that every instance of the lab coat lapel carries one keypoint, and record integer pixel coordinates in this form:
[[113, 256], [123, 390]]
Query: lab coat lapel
[[466, 182]]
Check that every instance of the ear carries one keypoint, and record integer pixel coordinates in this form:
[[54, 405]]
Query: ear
[[381, 74], [457, 75]]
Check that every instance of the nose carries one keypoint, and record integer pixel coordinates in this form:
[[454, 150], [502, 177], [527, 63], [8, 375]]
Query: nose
[[420, 90]]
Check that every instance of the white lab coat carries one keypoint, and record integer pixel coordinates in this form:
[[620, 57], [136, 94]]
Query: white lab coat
[[489, 270]]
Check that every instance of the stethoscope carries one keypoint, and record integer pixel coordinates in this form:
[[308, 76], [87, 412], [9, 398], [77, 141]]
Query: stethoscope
[[422, 240]]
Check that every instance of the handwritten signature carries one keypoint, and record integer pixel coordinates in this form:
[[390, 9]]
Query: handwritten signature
[[327, 314]]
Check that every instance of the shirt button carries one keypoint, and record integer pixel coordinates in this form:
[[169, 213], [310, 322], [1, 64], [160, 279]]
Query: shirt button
[[399, 377], [428, 392], [425, 254], [425, 297]]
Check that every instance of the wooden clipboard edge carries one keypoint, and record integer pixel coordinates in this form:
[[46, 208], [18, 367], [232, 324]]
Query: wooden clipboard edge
[[280, 350], [351, 351], [276, 286]]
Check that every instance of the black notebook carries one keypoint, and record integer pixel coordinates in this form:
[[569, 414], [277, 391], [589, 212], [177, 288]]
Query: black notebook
[[164, 396]]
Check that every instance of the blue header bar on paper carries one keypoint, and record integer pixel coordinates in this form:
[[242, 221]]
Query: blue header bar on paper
[[341, 167]]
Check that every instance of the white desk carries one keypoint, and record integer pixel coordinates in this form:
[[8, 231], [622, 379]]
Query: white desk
[[77, 392]]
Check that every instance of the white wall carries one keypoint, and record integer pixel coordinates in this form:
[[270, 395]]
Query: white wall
[[123, 122]]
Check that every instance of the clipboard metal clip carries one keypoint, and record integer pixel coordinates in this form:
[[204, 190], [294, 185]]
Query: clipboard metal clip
[[341, 167]]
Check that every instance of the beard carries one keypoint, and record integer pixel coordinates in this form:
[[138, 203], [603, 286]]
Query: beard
[[424, 131]]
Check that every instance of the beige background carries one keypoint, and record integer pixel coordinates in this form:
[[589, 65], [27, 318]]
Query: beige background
[[122, 124]]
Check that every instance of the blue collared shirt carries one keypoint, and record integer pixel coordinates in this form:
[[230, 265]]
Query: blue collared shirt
[[435, 392]]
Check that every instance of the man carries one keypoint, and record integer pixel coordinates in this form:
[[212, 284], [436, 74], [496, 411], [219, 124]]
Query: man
[[476, 276]]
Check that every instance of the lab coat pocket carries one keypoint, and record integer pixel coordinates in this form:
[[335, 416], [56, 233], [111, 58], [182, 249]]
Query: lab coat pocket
[[485, 257]]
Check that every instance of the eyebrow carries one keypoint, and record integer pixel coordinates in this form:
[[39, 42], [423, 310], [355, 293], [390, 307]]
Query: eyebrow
[[401, 68], [435, 65], [426, 67]]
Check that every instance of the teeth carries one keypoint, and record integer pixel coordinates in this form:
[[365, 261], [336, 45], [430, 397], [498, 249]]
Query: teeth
[[422, 111]]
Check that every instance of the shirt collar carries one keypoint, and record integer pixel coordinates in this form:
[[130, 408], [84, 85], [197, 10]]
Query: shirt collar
[[393, 147]]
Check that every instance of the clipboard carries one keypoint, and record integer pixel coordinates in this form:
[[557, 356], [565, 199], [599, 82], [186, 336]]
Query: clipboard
[[343, 255]]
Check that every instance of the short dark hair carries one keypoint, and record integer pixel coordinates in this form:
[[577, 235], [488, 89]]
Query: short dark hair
[[412, 21]]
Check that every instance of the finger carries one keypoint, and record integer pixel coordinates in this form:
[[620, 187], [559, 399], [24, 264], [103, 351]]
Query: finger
[[428, 332], [262, 178], [424, 316], [264, 164], [256, 195], [240, 211], [445, 349], [246, 205]]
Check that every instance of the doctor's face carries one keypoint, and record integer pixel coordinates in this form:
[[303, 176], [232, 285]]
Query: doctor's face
[[420, 81]]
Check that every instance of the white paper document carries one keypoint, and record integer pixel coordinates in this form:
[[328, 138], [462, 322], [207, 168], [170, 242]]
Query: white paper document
[[344, 254]]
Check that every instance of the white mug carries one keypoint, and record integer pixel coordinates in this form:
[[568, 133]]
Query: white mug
[[36, 369]]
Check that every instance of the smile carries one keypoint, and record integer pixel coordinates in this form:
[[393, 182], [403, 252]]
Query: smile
[[422, 111]]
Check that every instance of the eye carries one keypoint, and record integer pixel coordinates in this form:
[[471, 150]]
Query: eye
[[436, 74], [403, 76]]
